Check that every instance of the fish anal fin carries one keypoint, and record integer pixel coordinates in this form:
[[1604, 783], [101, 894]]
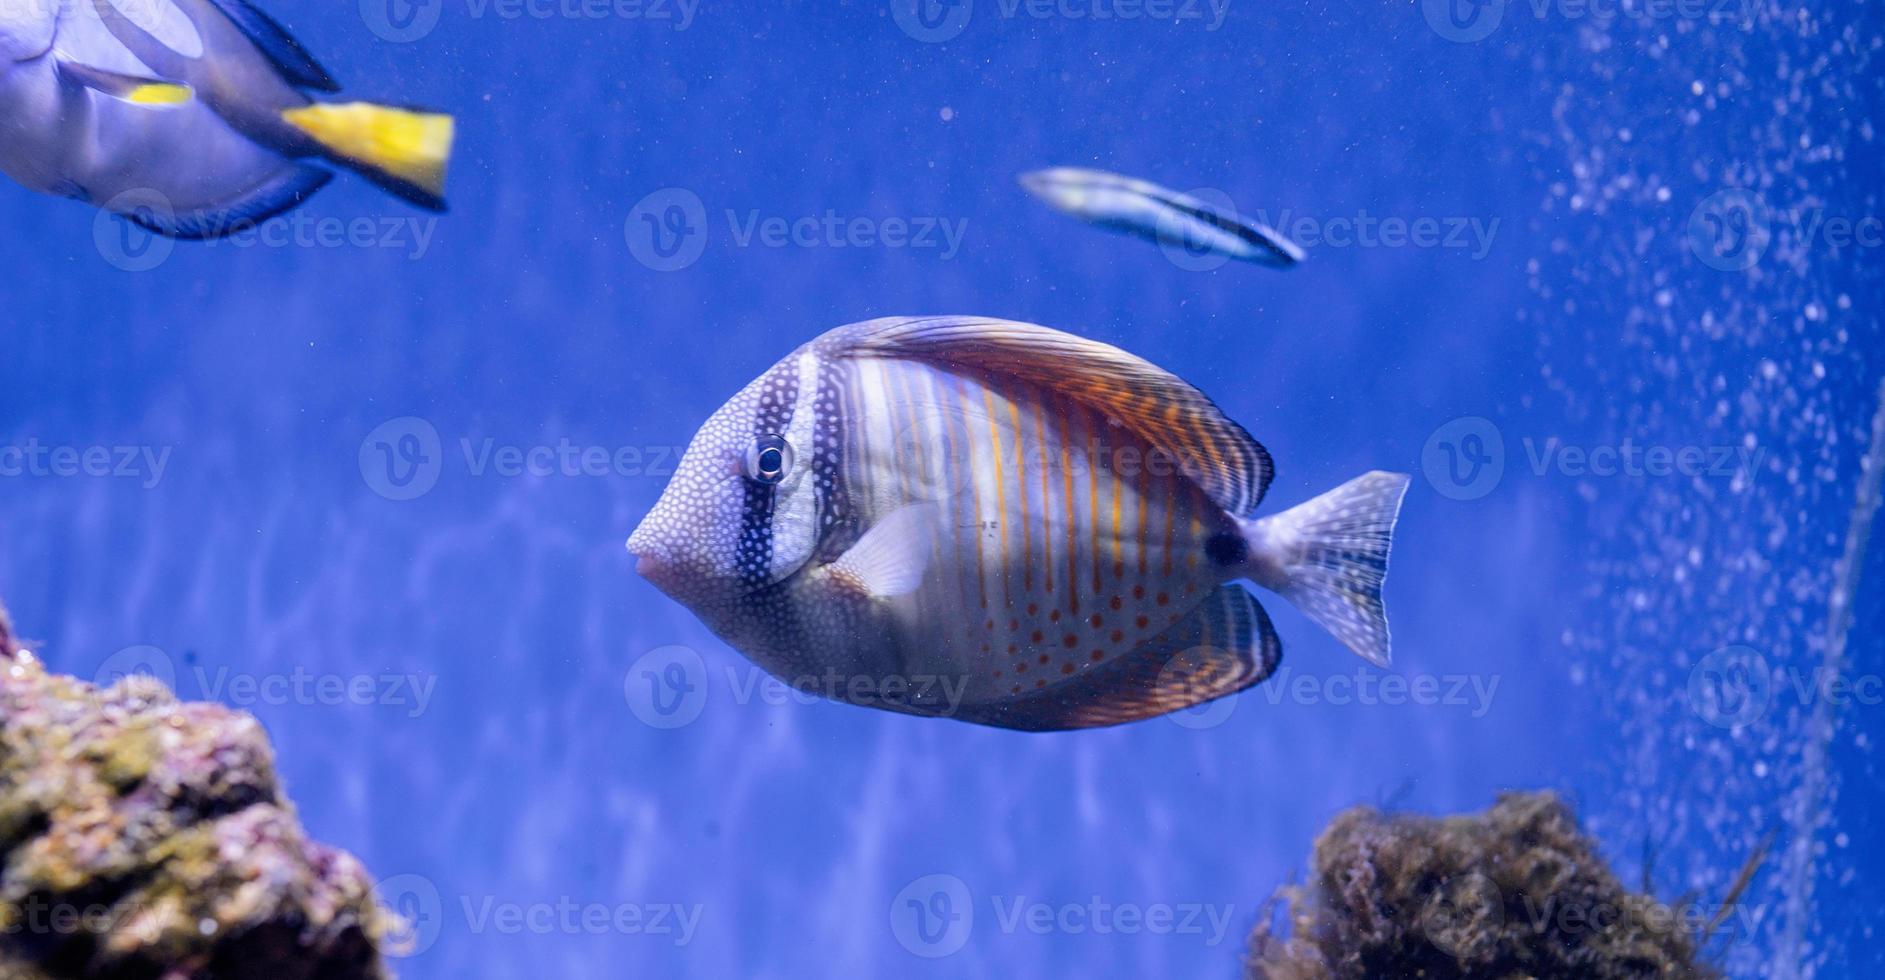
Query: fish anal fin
[[267, 200], [1154, 404], [1225, 645], [135, 89]]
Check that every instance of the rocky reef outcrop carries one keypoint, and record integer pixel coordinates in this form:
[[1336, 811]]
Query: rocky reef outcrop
[[1515, 892], [144, 837]]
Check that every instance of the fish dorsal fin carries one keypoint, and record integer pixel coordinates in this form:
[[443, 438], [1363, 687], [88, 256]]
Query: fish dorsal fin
[[280, 47], [1215, 452], [1226, 644]]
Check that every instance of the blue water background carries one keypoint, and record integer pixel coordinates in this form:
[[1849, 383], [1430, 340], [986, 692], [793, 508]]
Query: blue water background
[[266, 547]]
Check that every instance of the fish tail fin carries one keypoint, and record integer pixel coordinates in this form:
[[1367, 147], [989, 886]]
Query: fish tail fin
[[1329, 556], [404, 151]]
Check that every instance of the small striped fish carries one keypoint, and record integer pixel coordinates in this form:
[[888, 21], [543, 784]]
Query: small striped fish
[[1005, 524], [1163, 215]]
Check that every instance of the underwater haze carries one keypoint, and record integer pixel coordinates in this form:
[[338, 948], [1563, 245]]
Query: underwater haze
[[1604, 278]]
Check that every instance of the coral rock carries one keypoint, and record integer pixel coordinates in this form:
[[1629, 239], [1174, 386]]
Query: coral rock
[[1516, 892], [143, 837]]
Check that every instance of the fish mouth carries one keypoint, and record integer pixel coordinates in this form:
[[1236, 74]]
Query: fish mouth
[[652, 561]]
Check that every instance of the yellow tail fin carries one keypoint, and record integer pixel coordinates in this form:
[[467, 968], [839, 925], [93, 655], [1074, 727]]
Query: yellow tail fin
[[411, 147]]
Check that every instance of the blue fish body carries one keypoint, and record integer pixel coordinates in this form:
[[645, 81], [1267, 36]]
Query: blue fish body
[[1161, 215]]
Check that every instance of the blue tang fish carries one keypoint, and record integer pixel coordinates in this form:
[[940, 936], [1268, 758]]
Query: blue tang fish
[[191, 117], [1005, 524], [1160, 214]]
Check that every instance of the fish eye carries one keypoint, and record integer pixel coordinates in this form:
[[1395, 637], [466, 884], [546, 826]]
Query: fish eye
[[769, 460]]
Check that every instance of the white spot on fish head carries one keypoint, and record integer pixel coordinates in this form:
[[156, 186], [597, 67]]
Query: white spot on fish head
[[687, 544]]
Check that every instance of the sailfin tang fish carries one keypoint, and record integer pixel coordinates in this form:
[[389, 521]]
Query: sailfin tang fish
[[1056, 529], [1145, 209], [192, 118]]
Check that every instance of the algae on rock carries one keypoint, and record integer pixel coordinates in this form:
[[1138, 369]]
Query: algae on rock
[[1516, 892]]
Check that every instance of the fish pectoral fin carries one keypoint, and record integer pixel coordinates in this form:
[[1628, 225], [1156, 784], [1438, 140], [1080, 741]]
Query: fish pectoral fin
[[1224, 645], [889, 560], [134, 89]]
